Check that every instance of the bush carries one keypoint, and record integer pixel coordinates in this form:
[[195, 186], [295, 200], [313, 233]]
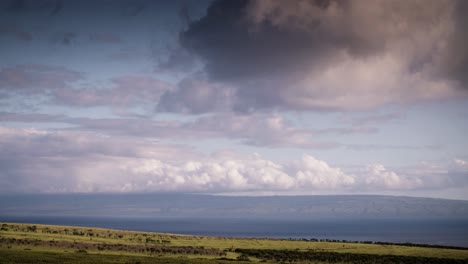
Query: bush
[[243, 257]]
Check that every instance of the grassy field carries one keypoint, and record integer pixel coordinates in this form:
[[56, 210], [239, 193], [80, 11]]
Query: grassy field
[[28, 243]]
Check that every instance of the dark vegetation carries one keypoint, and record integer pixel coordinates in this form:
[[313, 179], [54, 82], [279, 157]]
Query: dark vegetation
[[380, 243], [333, 257], [114, 247], [34, 257]]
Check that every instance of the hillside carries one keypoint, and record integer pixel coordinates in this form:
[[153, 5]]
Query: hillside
[[28, 243]]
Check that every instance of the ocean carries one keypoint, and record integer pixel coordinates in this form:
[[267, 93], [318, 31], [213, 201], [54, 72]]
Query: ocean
[[438, 231]]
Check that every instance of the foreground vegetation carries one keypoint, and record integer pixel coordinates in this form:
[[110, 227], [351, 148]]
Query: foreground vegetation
[[27, 243]]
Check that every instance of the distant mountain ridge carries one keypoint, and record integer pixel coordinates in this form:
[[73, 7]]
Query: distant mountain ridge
[[197, 205]]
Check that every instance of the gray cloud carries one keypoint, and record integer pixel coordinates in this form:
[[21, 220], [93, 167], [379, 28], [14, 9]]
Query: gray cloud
[[63, 143], [105, 38], [134, 8], [69, 38], [16, 32], [52, 6], [36, 79], [332, 55], [65, 38], [127, 91], [31, 117], [174, 59], [60, 86], [258, 130], [196, 95], [376, 119], [455, 61], [261, 130], [365, 147]]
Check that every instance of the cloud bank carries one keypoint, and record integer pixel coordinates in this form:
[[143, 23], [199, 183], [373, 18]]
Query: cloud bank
[[40, 161]]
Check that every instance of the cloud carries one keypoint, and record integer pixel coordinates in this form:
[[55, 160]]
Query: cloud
[[364, 147], [69, 38], [105, 38], [331, 55], [52, 6], [318, 174], [58, 6], [127, 91], [66, 38], [265, 130], [174, 59], [260, 130], [376, 119], [377, 176], [61, 86], [133, 8], [31, 118], [16, 32], [129, 55], [36, 78], [251, 174], [462, 164], [32, 142], [35, 160], [134, 167], [454, 62], [196, 96]]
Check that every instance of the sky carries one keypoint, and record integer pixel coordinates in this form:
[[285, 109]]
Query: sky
[[244, 97]]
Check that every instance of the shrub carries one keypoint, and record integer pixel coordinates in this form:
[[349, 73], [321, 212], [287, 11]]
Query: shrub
[[243, 257]]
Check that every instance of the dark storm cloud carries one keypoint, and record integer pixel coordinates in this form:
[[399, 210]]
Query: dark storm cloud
[[332, 55], [456, 62], [224, 40]]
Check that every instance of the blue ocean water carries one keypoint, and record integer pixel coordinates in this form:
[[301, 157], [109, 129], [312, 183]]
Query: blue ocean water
[[450, 232]]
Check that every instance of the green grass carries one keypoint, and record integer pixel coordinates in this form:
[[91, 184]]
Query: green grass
[[24, 243]]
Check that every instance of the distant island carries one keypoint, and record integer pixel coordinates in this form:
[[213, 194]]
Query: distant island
[[200, 205]]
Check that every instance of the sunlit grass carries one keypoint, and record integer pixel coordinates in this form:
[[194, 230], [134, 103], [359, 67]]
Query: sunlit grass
[[53, 241]]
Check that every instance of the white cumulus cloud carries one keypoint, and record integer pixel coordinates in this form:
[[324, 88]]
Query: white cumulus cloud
[[34, 160]]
